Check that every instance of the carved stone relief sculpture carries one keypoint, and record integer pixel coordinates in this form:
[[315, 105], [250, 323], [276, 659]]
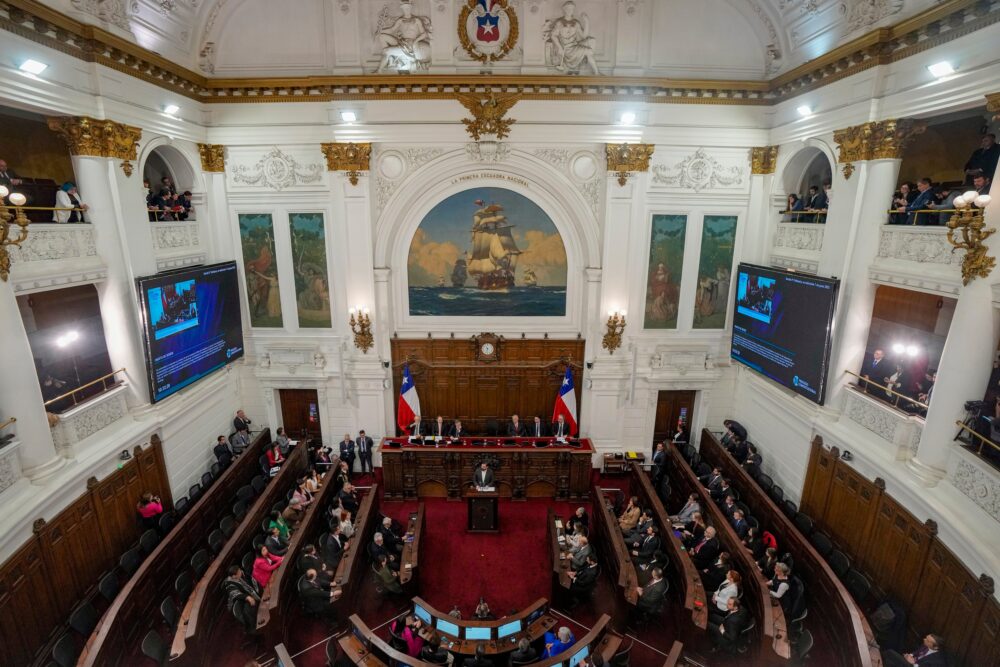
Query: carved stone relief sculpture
[[568, 42], [276, 170], [114, 12], [865, 13], [405, 41], [698, 171]]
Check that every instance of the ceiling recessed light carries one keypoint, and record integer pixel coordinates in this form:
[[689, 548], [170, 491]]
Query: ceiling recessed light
[[348, 116], [32, 66], [805, 110], [171, 109], [941, 69], [627, 117]]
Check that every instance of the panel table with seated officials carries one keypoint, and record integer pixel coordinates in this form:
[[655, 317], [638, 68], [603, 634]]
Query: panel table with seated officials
[[531, 460]]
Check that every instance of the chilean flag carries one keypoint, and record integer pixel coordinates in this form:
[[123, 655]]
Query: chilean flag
[[566, 403], [489, 25], [409, 402]]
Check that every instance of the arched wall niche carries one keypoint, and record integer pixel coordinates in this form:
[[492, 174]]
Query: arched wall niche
[[182, 166], [804, 159], [519, 172]]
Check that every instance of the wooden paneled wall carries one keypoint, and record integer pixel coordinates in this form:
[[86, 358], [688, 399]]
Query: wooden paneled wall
[[452, 383], [904, 557], [62, 562]]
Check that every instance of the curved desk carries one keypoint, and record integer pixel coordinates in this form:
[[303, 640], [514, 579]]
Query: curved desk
[[598, 640], [524, 467], [462, 637]]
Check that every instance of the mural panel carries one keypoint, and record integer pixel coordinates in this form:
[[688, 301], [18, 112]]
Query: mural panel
[[666, 265], [718, 240], [260, 269], [312, 289], [487, 252]]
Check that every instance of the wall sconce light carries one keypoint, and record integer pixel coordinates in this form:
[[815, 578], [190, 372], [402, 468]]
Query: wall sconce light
[[616, 326], [969, 220], [361, 325], [6, 218]]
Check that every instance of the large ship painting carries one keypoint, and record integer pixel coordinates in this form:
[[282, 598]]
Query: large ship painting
[[460, 273], [494, 253]]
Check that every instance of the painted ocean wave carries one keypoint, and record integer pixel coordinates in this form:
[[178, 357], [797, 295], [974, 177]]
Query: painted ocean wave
[[473, 302]]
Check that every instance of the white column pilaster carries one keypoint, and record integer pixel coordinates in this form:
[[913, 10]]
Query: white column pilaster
[[964, 369], [859, 209], [761, 220], [126, 246], [21, 396]]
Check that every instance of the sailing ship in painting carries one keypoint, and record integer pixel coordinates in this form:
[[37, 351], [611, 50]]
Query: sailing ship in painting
[[460, 273], [494, 253], [529, 279]]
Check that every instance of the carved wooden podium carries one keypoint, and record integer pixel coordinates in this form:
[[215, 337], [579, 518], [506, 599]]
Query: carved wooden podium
[[484, 516]]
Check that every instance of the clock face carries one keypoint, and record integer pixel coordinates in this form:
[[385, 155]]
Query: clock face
[[487, 349]]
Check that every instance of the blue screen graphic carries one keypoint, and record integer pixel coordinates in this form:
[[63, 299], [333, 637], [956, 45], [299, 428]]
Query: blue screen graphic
[[422, 614], [447, 627], [507, 629], [192, 325], [480, 634], [580, 656]]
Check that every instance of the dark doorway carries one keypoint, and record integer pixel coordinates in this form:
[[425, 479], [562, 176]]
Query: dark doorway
[[671, 408], [300, 412]]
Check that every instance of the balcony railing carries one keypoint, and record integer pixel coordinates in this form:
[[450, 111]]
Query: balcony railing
[[81, 393], [973, 442], [798, 245], [924, 217], [899, 430], [808, 217]]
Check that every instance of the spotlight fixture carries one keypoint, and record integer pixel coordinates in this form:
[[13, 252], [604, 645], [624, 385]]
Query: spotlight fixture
[[941, 69], [805, 110], [912, 350], [627, 118], [32, 66], [898, 348], [171, 109], [348, 116]]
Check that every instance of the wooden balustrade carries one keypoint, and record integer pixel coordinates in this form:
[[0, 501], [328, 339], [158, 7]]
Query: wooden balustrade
[[609, 544]]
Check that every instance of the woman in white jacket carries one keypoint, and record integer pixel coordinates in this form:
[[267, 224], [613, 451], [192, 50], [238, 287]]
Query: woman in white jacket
[[67, 197]]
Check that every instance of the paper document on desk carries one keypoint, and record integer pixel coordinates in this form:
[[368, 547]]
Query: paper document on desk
[[292, 443], [487, 489], [559, 524]]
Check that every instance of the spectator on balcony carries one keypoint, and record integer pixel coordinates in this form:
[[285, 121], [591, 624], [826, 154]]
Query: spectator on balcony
[[184, 201], [68, 197], [817, 203], [794, 204], [981, 183], [921, 202], [945, 201], [984, 159], [167, 183], [903, 197], [8, 177]]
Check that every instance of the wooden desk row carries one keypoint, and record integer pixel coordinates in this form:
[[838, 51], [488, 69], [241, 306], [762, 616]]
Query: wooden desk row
[[522, 470], [609, 543], [756, 595], [410, 558], [684, 576], [346, 584], [560, 558], [136, 608], [207, 603], [850, 634]]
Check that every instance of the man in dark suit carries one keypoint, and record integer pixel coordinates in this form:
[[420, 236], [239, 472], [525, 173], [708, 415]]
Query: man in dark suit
[[334, 548], [645, 521], [706, 551], [721, 491], [584, 579], [713, 480], [523, 654], [740, 524], [726, 634], [817, 200], [515, 428], [275, 543], [929, 654], [393, 542], [659, 462], [560, 429], [347, 452], [364, 450], [875, 368], [753, 460], [241, 423], [349, 499], [222, 448], [648, 546], [479, 659], [315, 600], [537, 429], [418, 428], [8, 177], [652, 594], [739, 450], [377, 550], [310, 560], [456, 432], [983, 160], [921, 203], [438, 428], [483, 477]]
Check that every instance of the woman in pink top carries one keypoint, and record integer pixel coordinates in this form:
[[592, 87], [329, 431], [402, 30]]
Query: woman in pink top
[[149, 508], [264, 565]]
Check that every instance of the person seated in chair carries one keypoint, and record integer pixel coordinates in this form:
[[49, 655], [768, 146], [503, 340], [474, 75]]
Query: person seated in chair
[[704, 553], [580, 516], [523, 654], [690, 508], [483, 477], [334, 549], [479, 659], [930, 653], [580, 553], [515, 428], [349, 499], [457, 432], [310, 560], [377, 549], [630, 516], [314, 597], [633, 539], [739, 523], [438, 428], [725, 635], [275, 543], [713, 576], [558, 642], [648, 545], [651, 595], [583, 580], [387, 577], [242, 597], [537, 428], [393, 542], [433, 652], [223, 448]]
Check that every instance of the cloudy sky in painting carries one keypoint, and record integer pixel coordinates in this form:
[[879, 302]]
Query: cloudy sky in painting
[[445, 235]]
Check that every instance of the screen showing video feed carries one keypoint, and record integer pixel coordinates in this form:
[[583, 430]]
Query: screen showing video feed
[[192, 325], [783, 325]]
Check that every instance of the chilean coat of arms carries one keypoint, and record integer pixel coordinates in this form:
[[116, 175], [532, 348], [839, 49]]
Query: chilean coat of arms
[[487, 29]]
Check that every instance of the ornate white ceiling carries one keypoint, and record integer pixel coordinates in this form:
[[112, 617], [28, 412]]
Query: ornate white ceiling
[[696, 39]]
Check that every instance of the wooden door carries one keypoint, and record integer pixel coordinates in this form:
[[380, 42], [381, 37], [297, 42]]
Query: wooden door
[[300, 412], [672, 406]]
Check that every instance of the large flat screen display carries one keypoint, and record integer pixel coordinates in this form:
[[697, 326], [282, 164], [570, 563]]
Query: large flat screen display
[[192, 325], [782, 327]]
